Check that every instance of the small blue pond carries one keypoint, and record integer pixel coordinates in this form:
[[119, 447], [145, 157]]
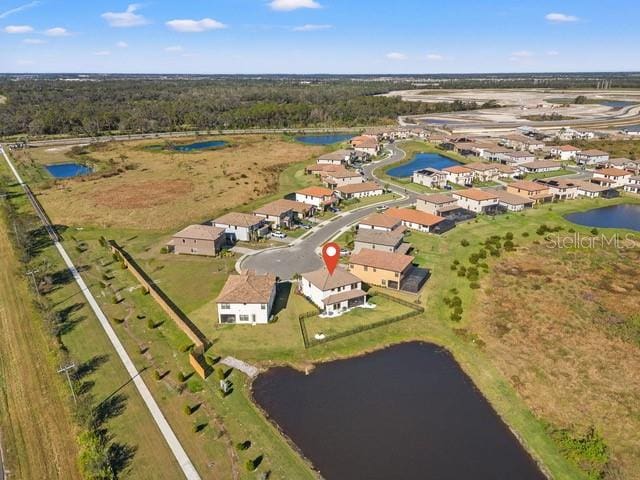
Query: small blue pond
[[191, 147], [68, 170], [324, 139], [617, 103], [420, 161], [615, 216]]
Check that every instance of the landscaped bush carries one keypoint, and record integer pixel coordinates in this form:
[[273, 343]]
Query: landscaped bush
[[474, 285], [181, 377], [164, 250], [151, 324], [589, 451], [187, 410], [464, 242], [187, 347], [525, 234], [240, 446]]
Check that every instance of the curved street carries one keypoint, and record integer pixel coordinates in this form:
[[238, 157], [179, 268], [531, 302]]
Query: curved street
[[301, 255]]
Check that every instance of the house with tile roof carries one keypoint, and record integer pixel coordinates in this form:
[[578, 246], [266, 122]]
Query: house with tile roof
[[247, 299], [332, 292], [359, 190], [564, 152], [198, 240], [242, 226], [591, 157], [378, 221], [614, 177], [459, 175], [535, 191], [319, 197], [380, 268], [476, 200], [420, 221], [378, 240], [278, 213], [512, 202]]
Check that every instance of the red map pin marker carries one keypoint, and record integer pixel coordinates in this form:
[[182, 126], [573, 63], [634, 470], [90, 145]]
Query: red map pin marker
[[331, 256]]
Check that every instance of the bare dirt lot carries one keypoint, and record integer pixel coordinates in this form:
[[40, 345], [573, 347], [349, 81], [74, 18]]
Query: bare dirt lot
[[566, 332], [138, 187]]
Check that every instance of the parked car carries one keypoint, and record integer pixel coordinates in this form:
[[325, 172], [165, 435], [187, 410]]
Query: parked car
[[334, 209], [345, 252], [278, 235], [382, 208], [307, 226]]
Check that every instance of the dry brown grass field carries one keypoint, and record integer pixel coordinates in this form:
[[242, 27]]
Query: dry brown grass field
[[564, 327], [159, 190]]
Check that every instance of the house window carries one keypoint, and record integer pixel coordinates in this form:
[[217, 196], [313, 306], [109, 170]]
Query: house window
[[263, 306], [396, 274], [225, 306], [244, 318], [384, 282], [366, 269]]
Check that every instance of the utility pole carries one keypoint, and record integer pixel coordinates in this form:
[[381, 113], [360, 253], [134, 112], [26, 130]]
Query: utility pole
[[32, 273], [65, 370]]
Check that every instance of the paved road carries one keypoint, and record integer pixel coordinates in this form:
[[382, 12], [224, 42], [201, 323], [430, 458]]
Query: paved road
[[178, 451], [302, 255]]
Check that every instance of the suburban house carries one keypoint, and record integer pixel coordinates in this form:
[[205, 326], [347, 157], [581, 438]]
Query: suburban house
[[278, 213], [344, 177], [590, 189], [323, 169], [540, 166], [247, 298], [521, 142], [494, 154], [625, 164], [378, 240], [359, 190], [561, 189], [459, 175], [242, 226], [517, 157], [633, 185], [436, 204], [378, 221], [420, 221], [483, 172], [300, 210], [332, 292], [339, 157], [430, 177], [198, 240], [564, 152], [391, 270], [568, 133], [366, 143], [476, 200], [535, 191], [616, 177], [591, 157], [511, 201], [319, 197]]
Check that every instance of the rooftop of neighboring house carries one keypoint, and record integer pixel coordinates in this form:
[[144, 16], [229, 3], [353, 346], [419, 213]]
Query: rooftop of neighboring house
[[436, 198], [457, 169], [323, 280], [481, 167], [298, 207], [379, 237], [344, 174], [429, 171], [497, 149], [512, 198], [593, 153], [319, 192], [344, 296], [541, 164], [275, 208], [621, 162], [380, 220], [414, 216], [200, 232], [567, 148], [557, 182], [476, 194], [248, 287], [364, 141], [238, 219], [590, 187], [337, 155], [528, 186], [502, 168], [514, 154], [325, 167], [394, 262], [359, 187], [516, 137], [612, 172]]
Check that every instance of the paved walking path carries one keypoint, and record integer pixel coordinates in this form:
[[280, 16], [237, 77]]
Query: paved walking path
[[249, 370], [165, 429]]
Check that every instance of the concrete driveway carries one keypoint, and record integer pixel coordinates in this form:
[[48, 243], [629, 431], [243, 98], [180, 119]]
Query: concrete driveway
[[301, 256]]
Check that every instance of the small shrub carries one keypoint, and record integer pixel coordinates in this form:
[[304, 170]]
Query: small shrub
[[151, 324], [241, 446], [525, 234], [187, 410], [181, 377], [164, 250], [455, 317], [157, 375], [508, 236], [118, 320], [187, 348], [594, 231], [474, 285], [464, 242]]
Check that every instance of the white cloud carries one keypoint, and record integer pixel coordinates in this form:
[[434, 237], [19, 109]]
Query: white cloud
[[122, 44], [6, 13], [288, 5], [33, 41], [434, 57], [128, 18], [102, 53], [560, 17], [396, 56], [57, 32], [17, 29], [553, 53], [191, 26], [173, 49], [310, 27]]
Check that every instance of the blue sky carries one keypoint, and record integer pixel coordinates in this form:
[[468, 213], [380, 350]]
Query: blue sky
[[318, 36]]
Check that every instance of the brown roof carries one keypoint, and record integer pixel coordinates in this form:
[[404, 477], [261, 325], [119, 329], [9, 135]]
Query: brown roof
[[298, 207], [613, 172], [344, 174], [247, 288], [590, 186], [325, 281], [512, 198], [594, 153], [457, 169], [519, 154], [437, 198], [394, 262], [475, 194], [528, 186], [239, 219], [364, 142], [325, 168], [343, 296], [505, 168], [379, 237], [200, 232], [568, 148], [541, 164], [337, 155], [315, 192], [379, 220], [359, 187], [275, 208], [414, 216], [481, 167]]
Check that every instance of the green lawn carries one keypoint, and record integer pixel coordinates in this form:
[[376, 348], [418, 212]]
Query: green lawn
[[556, 173], [363, 202]]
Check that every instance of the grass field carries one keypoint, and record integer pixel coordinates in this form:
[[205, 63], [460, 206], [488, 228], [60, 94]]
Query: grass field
[[616, 148], [557, 173]]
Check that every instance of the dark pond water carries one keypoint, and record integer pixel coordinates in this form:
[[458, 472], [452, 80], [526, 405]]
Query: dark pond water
[[617, 103], [67, 170], [324, 139], [440, 121], [632, 128], [615, 216], [405, 412], [420, 161], [191, 147]]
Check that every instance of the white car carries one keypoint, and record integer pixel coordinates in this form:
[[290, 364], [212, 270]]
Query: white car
[[382, 208], [278, 235]]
